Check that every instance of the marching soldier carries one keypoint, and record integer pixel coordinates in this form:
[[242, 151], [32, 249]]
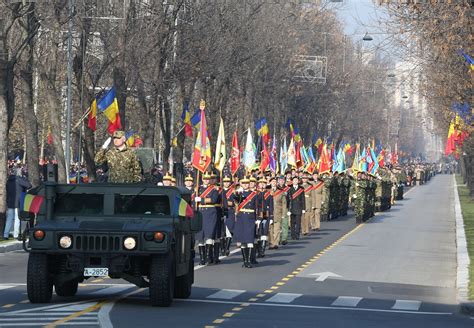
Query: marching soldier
[[326, 197], [278, 193], [296, 207], [123, 164], [189, 183], [359, 201], [283, 206], [167, 180], [265, 217], [244, 230], [229, 214], [317, 199], [207, 199], [306, 217]]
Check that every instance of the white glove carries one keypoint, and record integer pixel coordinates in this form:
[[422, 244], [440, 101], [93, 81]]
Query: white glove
[[240, 189], [197, 199], [271, 221], [354, 196], [303, 211], [288, 213], [107, 143], [314, 208], [257, 222]]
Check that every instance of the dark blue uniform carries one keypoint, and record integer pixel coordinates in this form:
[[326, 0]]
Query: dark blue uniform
[[244, 230], [209, 214], [229, 208]]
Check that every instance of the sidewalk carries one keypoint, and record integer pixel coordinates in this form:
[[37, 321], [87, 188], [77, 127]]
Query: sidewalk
[[414, 243], [10, 246]]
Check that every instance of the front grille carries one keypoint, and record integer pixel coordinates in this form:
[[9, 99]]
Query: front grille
[[99, 243]]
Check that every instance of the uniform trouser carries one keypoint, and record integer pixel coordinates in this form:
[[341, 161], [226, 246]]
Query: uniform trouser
[[275, 232], [316, 218], [305, 222], [295, 225], [284, 228]]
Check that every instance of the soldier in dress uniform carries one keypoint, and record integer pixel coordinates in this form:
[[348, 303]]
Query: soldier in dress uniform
[[264, 208], [279, 210], [245, 220], [218, 234], [317, 199], [207, 199], [123, 164], [228, 207], [189, 182], [306, 217], [167, 180], [296, 207]]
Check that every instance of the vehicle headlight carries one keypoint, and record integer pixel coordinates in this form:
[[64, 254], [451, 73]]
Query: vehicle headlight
[[65, 242], [129, 243]]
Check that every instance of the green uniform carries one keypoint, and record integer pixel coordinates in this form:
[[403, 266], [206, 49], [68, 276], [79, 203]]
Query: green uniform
[[360, 199], [124, 166], [326, 198]]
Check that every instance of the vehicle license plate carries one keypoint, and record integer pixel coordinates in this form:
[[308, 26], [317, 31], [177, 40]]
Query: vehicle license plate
[[96, 272]]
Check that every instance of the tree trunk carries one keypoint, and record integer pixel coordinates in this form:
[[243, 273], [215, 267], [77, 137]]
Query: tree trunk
[[29, 116], [4, 126]]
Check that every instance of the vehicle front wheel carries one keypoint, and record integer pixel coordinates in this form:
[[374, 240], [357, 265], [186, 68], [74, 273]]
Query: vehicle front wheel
[[38, 280], [68, 288], [183, 284], [161, 280]]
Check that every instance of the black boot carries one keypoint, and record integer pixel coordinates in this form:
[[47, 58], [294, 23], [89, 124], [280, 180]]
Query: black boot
[[228, 242], [259, 248], [247, 257], [222, 244], [209, 253], [243, 257], [202, 255], [217, 247], [253, 255], [263, 245]]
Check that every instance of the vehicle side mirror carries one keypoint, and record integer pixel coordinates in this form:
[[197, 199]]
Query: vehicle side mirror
[[196, 222]]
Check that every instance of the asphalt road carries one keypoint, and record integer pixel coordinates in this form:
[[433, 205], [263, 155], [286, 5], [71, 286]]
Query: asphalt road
[[397, 270]]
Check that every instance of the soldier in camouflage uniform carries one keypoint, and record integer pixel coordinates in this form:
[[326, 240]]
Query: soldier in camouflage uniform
[[326, 197], [345, 186], [359, 197], [123, 164], [372, 185], [334, 200]]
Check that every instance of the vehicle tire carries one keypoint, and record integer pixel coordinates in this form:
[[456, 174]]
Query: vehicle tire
[[38, 280], [183, 284], [68, 288], [161, 280]]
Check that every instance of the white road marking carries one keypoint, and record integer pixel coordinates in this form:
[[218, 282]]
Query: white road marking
[[347, 301], [36, 319], [45, 314], [74, 307], [34, 324], [406, 305], [2, 287], [226, 294], [317, 307], [324, 275], [283, 298]]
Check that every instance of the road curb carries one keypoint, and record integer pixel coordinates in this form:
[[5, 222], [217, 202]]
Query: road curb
[[11, 246], [462, 257]]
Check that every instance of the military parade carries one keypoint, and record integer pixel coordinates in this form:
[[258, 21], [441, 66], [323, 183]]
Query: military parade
[[269, 164]]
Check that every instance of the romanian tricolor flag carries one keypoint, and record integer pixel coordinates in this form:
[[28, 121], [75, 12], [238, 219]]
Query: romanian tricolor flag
[[319, 145], [30, 203], [262, 129], [348, 148], [184, 209], [92, 122], [186, 117], [108, 105], [202, 148], [451, 141], [130, 138]]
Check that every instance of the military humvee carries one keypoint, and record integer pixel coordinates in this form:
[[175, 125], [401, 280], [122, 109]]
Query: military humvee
[[128, 231]]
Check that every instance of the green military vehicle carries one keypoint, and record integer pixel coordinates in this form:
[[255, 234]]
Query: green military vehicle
[[128, 231]]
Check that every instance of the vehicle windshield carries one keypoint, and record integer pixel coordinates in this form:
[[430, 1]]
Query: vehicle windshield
[[142, 204], [79, 204]]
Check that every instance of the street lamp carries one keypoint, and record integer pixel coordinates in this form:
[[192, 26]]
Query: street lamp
[[367, 37]]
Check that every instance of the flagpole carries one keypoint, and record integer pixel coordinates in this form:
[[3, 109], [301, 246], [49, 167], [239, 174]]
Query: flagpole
[[82, 118], [196, 190]]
